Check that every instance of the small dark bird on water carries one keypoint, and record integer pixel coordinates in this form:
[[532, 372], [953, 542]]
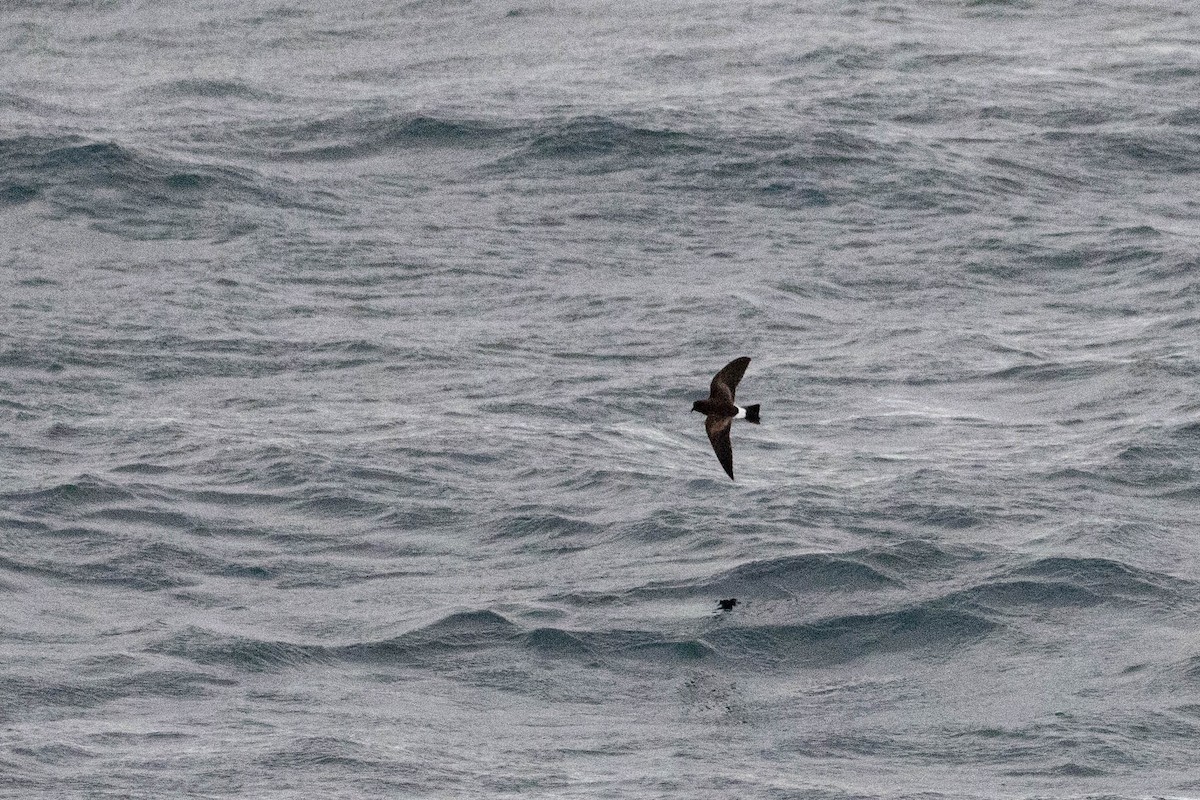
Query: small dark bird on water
[[720, 411], [727, 605]]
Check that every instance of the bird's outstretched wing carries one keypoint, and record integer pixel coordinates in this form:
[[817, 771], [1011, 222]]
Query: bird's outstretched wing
[[729, 377], [717, 429]]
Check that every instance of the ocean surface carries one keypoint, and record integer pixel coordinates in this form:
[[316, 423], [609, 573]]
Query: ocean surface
[[346, 359]]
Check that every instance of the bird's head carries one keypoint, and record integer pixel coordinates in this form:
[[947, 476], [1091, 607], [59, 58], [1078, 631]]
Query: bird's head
[[696, 406]]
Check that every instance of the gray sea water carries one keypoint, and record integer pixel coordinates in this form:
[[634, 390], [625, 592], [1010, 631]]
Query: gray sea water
[[346, 359]]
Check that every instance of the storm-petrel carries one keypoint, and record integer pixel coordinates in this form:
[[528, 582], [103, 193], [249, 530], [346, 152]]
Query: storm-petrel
[[719, 410]]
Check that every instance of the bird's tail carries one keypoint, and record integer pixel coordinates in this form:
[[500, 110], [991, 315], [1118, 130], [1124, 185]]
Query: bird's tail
[[752, 413]]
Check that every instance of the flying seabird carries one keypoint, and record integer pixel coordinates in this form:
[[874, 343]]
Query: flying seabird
[[719, 410]]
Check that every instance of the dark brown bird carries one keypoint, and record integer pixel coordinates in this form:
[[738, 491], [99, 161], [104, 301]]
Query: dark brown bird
[[720, 411]]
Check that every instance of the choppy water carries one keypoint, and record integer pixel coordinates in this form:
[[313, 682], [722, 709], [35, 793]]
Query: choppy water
[[345, 369]]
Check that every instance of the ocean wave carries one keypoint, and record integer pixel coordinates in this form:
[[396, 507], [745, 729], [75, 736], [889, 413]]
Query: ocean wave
[[780, 577], [64, 498], [457, 632], [589, 138], [811, 165], [324, 752], [872, 569], [937, 627], [210, 89], [210, 648], [1054, 371], [145, 546], [139, 194], [933, 627], [544, 526], [27, 694], [1111, 580], [1166, 151], [463, 630], [173, 357], [91, 556], [23, 104], [929, 627], [361, 135], [339, 504]]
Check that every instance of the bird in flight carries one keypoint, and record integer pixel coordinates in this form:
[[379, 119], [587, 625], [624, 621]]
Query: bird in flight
[[720, 411]]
